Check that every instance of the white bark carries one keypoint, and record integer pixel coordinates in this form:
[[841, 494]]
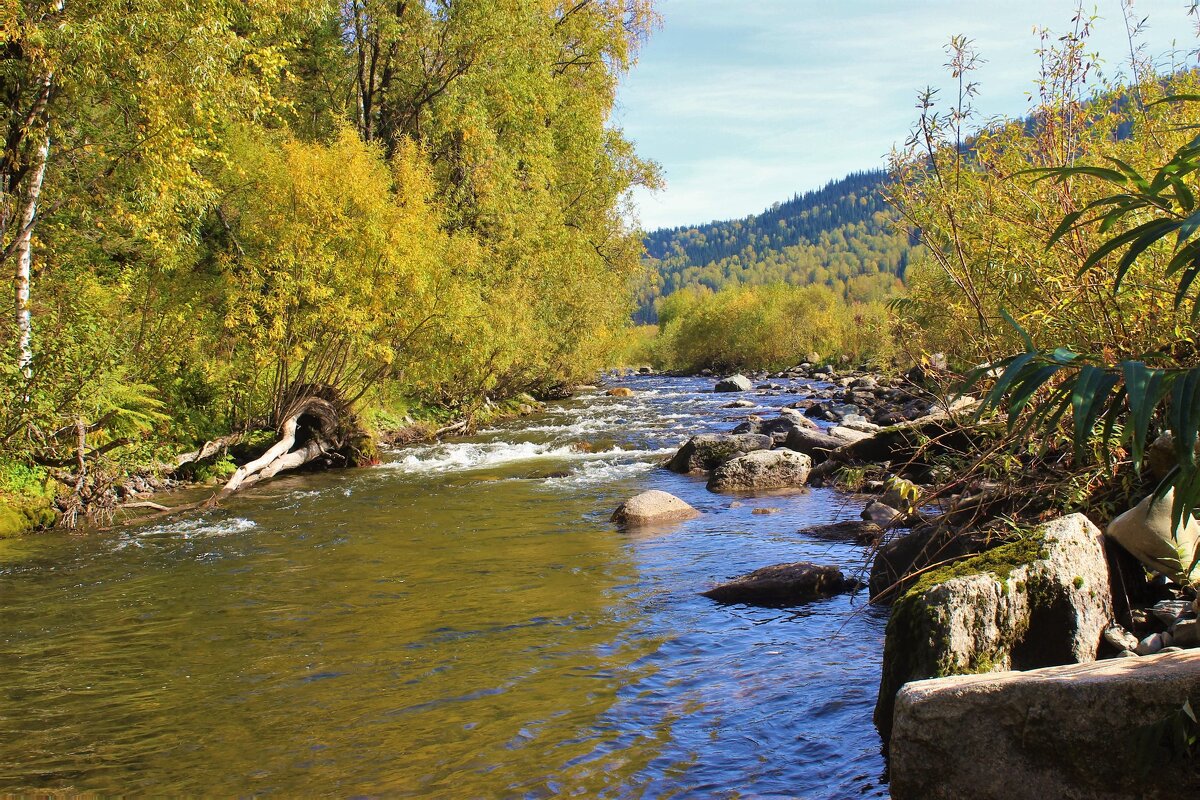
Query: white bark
[[24, 253], [278, 450]]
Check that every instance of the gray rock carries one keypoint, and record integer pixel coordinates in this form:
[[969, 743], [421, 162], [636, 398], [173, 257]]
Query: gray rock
[[1039, 602], [653, 507], [710, 450], [881, 514], [761, 470], [1186, 633], [1068, 732], [783, 585], [847, 434], [1150, 645], [740, 404], [814, 444], [734, 383], [1127, 654], [1167, 611], [1120, 638]]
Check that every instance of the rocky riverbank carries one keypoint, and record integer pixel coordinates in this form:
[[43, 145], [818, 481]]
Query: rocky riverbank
[[971, 592]]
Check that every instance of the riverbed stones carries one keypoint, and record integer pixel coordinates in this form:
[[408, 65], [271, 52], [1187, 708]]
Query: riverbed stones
[[783, 585], [620, 391], [762, 470], [710, 450], [1079, 731], [653, 507], [1041, 601], [734, 383]]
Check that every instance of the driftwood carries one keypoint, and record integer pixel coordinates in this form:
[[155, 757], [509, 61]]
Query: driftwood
[[312, 428]]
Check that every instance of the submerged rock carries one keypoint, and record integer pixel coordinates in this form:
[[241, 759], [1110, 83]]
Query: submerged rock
[[1080, 731], [783, 585], [652, 507], [710, 450], [620, 391], [860, 532], [1038, 602], [734, 383], [764, 469]]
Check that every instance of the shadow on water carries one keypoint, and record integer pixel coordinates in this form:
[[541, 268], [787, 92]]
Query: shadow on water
[[460, 622]]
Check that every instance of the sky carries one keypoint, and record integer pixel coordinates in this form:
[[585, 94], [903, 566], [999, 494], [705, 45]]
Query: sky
[[746, 102]]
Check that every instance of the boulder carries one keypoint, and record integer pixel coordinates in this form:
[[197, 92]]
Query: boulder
[[1041, 601], [777, 428], [1145, 531], [816, 445], [710, 450], [620, 391], [783, 585], [1102, 730], [653, 507], [882, 514], [848, 434], [734, 383], [741, 404], [764, 469]]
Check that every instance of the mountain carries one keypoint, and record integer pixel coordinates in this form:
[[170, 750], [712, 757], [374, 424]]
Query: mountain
[[842, 235]]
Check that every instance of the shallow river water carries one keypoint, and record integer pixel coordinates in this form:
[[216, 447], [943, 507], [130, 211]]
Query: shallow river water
[[460, 622]]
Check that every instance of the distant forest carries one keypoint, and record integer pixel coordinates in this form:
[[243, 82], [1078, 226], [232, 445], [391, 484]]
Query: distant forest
[[843, 236]]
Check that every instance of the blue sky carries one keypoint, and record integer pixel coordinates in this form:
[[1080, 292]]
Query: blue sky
[[746, 102]]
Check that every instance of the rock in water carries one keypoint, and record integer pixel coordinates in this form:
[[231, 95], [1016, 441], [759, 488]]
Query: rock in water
[[816, 445], [620, 391], [711, 450], [653, 507], [783, 585], [761, 470], [1079, 731], [1038, 602], [734, 383]]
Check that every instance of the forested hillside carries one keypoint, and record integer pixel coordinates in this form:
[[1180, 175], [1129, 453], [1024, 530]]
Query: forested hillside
[[842, 236]]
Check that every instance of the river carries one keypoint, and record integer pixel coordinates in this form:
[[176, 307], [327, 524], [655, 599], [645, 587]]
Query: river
[[462, 621]]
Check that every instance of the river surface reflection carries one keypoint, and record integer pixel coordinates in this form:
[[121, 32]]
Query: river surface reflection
[[462, 621]]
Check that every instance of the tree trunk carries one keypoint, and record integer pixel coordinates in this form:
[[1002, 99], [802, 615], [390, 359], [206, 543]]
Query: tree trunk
[[24, 253]]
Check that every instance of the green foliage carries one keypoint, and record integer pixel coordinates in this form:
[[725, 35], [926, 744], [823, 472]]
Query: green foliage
[[767, 327], [248, 201]]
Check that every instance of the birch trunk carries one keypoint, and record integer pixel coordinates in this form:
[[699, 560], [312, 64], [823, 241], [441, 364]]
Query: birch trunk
[[24, 253]]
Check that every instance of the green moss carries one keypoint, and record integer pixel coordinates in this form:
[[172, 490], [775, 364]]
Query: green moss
[[1078, 582], [27, 497]]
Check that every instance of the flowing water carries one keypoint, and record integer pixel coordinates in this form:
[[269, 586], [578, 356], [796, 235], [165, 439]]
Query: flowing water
[[460, 622]]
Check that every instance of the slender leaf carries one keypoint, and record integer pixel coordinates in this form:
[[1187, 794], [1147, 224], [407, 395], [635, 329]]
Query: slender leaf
[[1144, 389], [1092, 388]]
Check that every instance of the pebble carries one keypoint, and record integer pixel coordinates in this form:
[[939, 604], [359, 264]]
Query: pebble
[[1150, 645], [1120, 638]]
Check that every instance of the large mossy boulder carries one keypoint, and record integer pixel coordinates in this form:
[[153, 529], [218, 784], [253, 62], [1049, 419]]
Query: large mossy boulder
[[710, 450], [762, 470], [783, 585], [1107, 730], [1041, 601]]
